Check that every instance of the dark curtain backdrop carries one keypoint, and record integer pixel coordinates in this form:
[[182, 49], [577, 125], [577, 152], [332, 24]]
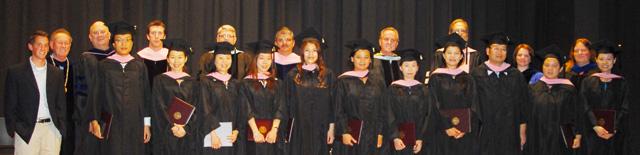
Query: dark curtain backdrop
[[538, 22]]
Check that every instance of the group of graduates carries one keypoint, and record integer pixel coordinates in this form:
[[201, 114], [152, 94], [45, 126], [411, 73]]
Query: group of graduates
[[464, 102]]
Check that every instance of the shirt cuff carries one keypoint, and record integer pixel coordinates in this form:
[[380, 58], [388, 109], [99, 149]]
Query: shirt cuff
[[147, 121]]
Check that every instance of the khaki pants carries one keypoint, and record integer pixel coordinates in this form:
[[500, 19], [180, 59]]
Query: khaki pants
[[45, 140]]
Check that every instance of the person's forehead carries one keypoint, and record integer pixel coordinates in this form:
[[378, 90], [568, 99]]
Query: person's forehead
[[41, 39], [389, 33], [99, 27], [156, 28], [459, 25], [227, 32], [123, 36], [61, 37]]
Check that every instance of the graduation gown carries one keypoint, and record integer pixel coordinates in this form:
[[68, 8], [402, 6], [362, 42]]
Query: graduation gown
[[312, 109], [407, 105], [164, 90], [503, 98], [551, 108], [125, 93], [241, 61], [613, 95], [473, 59], [578, 73], [262, 102], [359, 101], [453, 92], [155, 68], [223, 104], [84, 82], [387, 67]]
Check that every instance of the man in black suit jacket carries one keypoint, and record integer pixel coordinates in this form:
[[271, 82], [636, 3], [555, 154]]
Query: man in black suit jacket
[[35, 103]]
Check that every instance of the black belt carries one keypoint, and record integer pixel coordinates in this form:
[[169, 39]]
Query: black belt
[[46, 120]]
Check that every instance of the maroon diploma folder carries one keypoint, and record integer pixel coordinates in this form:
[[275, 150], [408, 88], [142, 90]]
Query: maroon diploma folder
[[460, 118], [180, 111], [606, 119], [354, 128], [264, 126], [407, 133]]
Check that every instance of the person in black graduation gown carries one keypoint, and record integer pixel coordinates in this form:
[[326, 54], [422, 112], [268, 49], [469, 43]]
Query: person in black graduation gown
[[309, 86], [605, 91], [263, 96], [155, 56], [452, 88], [221, 94], [502, 97], [554, 106], [523, 56], [85, 81], [580, 63], [171, 138], [386, 62], [408, 105], [359, 97], [123, 92], [285, 58]]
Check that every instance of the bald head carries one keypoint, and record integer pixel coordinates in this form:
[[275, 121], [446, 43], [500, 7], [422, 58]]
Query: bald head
[[99, 35]]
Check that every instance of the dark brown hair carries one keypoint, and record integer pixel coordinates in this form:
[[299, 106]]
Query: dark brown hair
[[253, 72], [156, 23], [584, 41], [320, 62]]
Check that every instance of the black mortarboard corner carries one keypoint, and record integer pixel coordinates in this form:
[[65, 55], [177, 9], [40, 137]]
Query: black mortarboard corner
[[409, 55], [122, 27], [310, 33], [220, 47], [453, 38], [262, 46], [551, 51], [497, 38], [606, 46], [178, 45], [358, 44]]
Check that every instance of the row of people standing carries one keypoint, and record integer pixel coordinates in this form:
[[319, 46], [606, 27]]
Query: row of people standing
[[113, 81]]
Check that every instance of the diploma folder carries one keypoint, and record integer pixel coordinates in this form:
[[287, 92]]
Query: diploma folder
[[407, 133], [460, 118], [355, 128], [105, 123], [179, 111], [263, 125], [606, 119]]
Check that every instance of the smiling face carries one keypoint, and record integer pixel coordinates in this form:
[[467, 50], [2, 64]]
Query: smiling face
[[388, 40], [176, 60], [361, 60], [452, 56], [123, 43], [61, 44], [39, 47], [581, 54], [284, 41], [497, 53], [605, 61], [310, 53], [264, 62], [223, 62], [522, 57], [551, 68], [99, 34]]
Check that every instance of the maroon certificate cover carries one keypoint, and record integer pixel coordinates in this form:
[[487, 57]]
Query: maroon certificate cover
[[567, 134], [355, 128], [180, 111], [105, 122], [407, 132], [264, 126], [460, 118], [287, 136], [606, 119]]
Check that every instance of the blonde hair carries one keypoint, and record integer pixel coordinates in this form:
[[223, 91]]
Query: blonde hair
[[455, 21], [226, 27], [60, 31], [390, 28]]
